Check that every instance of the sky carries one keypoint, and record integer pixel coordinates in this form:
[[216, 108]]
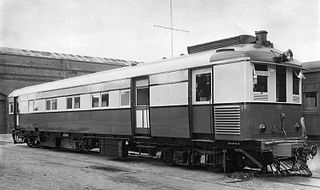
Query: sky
[[124, 29]]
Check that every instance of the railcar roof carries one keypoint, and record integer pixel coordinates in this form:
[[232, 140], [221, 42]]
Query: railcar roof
[[251, 51]]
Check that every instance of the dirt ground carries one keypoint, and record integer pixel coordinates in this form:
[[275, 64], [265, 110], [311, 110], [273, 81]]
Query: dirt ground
[[22, 167]]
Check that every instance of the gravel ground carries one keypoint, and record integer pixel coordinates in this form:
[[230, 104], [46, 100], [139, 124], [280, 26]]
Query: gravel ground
[[22, 167]]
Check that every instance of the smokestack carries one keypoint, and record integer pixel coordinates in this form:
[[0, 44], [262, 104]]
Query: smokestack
[[261, 37]]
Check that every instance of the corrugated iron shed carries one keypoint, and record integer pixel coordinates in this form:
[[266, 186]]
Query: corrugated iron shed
[[52, 55]]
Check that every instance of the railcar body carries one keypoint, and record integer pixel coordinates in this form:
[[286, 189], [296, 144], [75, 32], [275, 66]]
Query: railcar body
[[235, 106]]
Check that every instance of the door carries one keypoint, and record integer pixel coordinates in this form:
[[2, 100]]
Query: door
[[202, 103], [141, 106]]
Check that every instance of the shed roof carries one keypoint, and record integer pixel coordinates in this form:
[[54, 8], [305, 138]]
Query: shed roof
[[312, 66], [52, 55]]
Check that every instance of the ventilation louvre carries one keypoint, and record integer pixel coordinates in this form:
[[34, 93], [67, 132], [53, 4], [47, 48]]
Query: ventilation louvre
[[227, 120]]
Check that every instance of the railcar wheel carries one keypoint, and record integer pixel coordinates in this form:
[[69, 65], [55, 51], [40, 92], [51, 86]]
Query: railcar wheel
[[30, 142], [168, 157], [215, 169], [17, 139]]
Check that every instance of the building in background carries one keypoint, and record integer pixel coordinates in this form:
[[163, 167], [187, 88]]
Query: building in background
[[20, 68]]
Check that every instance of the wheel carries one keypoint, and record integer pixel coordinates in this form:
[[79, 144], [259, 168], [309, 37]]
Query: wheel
[[215, 169], [30, 142]]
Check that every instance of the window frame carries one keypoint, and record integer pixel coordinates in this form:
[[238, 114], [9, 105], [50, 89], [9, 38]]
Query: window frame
[[148, 95], [295, 77], [99, 100], [200, 71], [11, 108], [36, 105], [263, 73], [282, 79], [74, 102], [50, 101], [30, 106], [69, 97], [316, 101], [105, 93], [129, 98]]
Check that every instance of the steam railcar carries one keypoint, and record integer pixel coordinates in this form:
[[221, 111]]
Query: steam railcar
[[232, 107]]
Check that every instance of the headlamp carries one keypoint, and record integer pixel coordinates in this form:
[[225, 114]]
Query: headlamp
[[287, 55], [262, 128]]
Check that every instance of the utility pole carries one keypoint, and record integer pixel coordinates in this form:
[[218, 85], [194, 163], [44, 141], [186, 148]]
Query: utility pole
[[171, 28]]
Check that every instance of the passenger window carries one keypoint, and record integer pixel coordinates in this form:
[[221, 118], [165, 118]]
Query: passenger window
[[295, 82], [54, 103], [310, 100], [69, 103], [95, 100], [124, 98], [36, 105], [48, 104], [260, 78], [77, 102], [30, 105], [203, 87], [105, 100]]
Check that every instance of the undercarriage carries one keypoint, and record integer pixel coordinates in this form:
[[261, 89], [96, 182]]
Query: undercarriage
[[274, 158]]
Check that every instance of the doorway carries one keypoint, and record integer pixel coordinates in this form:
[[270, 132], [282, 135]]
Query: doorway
[[141, 106]]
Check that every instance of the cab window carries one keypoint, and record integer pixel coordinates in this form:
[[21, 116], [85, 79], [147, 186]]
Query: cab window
[[295, 82], [260, 78], [281, 84], [203, 87]]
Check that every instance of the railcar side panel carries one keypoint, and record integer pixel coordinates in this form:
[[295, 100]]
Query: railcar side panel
[[116, 122], [232, 82], [170, 121], [202, 119]]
